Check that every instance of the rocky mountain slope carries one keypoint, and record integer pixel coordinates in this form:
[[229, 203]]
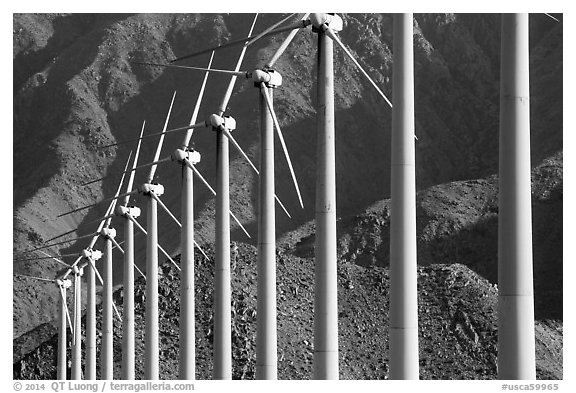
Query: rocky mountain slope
[[457, 324], [76, 90]]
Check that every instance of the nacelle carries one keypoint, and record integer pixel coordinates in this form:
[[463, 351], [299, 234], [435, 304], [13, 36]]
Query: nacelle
[[65, 283], [108, 233], [191, 155], [332, 21], [226, 122], [93, 254], [131, 210], [147, 188], [270, 77]]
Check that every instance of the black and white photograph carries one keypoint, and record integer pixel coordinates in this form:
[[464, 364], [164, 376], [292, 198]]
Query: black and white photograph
[[287, 196]]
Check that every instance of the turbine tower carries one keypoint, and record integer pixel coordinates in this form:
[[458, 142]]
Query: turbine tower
[[63, 285], [516, 346], [403, 263], [76, 331], [325, 280], [151, 338]]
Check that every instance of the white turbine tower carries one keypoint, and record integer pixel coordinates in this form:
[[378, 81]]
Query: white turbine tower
[[516, 345], [76, 372], [153, 191], [403, 330], [326, 297]]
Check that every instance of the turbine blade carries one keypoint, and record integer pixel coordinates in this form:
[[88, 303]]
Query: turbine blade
[[264, 91], [165, 159], [93, 266], [228, 94], [74, 230], [103, 222], [62, 234], [237, 146], [214, 193], [177, 129], [117, 245], [62, 242], [159, 246], [163, 206], [63, 295], [116, 311], [34, 277], [215, 70], [56, 259], [197, 106], [76, 311], [161, 141], [93, 181], [334, 37], [552, 17], [134, 164], [71, 266], [268, 30], [97, 203], [200, 248], [201, 177], [107, 224], [140, 271], [46, 257], [169, 257], [285, 44], [241, 40]]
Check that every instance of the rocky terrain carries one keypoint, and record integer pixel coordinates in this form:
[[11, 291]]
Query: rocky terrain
[[457, 324], [76, 90]]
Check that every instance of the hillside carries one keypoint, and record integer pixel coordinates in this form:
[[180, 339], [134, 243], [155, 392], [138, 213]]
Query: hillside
[[76, 90], [457, 324]]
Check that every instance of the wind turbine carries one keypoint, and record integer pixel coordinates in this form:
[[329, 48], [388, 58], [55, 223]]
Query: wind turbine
[[63, 316], [326, 298], [107, 350]]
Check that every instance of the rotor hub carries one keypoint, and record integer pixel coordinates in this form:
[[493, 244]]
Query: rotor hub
[[191, 155], [64, 283], [270, 78], [325, 21], [108, 233], [92, 254], [148, 188], [221, 122], [132, 211]]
